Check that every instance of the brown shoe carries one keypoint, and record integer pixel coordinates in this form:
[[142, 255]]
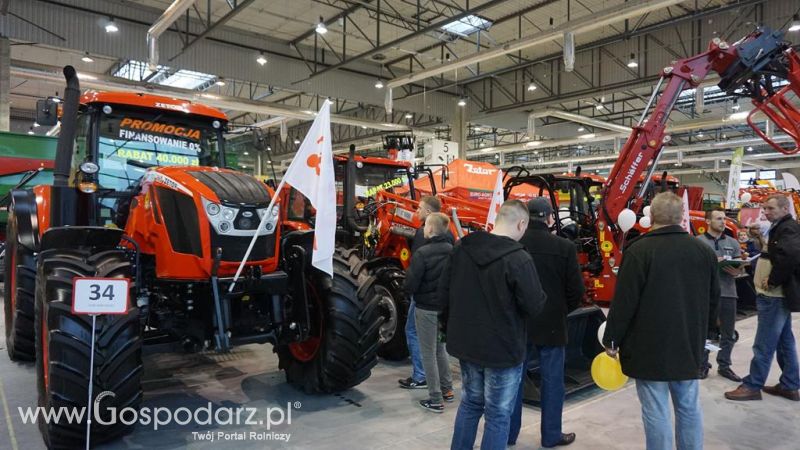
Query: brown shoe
[[742, 393], [779, 391]]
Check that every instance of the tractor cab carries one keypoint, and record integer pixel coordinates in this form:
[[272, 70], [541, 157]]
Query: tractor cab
[[121, 136]]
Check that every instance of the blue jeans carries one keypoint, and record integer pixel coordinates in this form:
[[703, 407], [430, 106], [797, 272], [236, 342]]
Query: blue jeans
[[489, 393], [774, 334], [417, 371], [551, 368], [654, 397]]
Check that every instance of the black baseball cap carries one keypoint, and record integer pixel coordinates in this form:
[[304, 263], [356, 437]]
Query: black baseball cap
[[540, 207]]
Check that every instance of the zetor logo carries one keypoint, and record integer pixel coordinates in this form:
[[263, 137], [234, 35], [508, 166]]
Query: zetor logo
[[479, 170], [169, 106], [161, 128]]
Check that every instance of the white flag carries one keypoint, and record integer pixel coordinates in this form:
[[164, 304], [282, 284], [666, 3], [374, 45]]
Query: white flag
[[311, 173], [497, 200], [686, 223]]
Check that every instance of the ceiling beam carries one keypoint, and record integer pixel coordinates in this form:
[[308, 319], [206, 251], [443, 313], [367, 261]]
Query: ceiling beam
[[222, 21]]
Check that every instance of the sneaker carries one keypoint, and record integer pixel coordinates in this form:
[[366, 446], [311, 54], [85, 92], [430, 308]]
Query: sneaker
[[432, 407], [449, 395], [409, 383]]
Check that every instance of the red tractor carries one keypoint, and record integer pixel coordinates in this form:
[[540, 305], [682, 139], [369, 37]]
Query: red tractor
[[141, 192]]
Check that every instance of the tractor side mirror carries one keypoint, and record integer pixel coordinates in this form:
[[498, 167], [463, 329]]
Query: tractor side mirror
[[46, 112]]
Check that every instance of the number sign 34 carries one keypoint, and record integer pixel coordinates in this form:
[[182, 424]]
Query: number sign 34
[[100, 295]]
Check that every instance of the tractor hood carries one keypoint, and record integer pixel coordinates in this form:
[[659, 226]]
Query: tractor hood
[[214, 184]]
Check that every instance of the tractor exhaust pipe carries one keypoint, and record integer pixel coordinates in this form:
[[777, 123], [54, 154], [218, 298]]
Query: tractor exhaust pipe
[[69, 120]]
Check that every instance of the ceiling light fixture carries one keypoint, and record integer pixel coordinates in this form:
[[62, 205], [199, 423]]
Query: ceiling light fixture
[[379, 84], [700, 134], [86, 58], [30, 130], [220, 82], [749, 149], [111, 27], [795, 26], [321, 28], [462, 101], [532, 87], [246, 153], [296, 141], [409, 116], [632, 62], [261, 59], [581, 129]]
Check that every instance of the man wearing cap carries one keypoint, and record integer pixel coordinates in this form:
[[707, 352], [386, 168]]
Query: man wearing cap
[[556, 262]]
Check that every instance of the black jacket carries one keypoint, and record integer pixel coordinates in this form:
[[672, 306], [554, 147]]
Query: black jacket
[[491, 287], [419, 239], [784, 254], [422, 275], [556, 262], [659, 317]]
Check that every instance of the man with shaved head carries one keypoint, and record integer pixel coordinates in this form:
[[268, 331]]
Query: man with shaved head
[[490, 289]]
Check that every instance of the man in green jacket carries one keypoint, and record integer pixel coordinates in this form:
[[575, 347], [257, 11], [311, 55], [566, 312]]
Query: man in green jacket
[[659, 319]]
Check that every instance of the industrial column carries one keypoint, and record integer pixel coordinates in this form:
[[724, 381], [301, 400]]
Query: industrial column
[[5, 84], [459, 131]]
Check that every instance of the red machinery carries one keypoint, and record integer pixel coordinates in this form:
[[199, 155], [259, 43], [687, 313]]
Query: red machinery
[[747, 68]]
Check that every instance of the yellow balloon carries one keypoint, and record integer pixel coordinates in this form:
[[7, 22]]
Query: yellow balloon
[[607, 372]]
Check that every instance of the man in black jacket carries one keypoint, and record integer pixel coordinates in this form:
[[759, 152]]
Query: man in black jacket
[[777, 281], [491, 289], [659, 319], [422, 282], [556, 261]]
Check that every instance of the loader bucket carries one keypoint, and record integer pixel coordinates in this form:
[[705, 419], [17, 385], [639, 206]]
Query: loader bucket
[[582, 347]]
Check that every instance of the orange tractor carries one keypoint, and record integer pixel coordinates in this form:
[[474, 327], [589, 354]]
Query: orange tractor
[[140, 192]]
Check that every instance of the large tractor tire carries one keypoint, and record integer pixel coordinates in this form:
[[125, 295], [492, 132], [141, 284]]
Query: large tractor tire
[[383, 284], [18, 296], [63, 348], [342, 349]]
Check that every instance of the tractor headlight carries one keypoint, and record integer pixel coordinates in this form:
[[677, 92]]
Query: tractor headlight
[[224, 227], [212, 209], [275, 211], [228, 213], [89, 168]]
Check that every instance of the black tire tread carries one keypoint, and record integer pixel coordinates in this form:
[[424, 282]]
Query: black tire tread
[[117, 358], [349, 344], [391, 277], [19, 323]]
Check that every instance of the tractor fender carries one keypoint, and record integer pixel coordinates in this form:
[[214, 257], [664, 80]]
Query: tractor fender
[[81, 237], [382, 261], [23, 203]]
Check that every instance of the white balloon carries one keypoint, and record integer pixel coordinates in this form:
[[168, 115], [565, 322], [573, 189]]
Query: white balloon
[[746, 197], [646, 211], [600, 332], [644, 222], [626, 219]]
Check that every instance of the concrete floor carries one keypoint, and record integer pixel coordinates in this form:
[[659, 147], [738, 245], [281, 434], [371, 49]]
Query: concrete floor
[[378, 415]]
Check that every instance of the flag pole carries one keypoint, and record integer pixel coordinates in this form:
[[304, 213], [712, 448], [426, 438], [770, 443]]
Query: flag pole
[[255, 234]]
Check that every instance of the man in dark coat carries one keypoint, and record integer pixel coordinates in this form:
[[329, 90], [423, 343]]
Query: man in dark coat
[[422, 282], [556, 261], [659, 319], [491, 288], [777, 281]]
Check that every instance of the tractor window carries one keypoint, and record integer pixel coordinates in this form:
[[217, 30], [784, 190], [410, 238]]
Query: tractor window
[[129, 143], [371, 179]]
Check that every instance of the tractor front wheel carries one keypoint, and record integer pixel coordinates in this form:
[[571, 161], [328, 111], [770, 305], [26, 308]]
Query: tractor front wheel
[[341, 351], [63, 349]]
